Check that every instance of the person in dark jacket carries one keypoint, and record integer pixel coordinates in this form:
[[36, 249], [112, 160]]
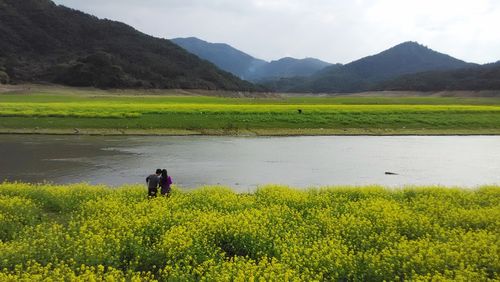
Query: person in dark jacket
[[153, 180], [165, 182]]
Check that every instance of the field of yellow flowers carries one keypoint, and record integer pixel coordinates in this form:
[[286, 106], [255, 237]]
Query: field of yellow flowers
[[140, 114], [96, 233]]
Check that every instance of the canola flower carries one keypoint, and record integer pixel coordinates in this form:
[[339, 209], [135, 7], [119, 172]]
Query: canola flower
[[131, 110], [96, 233], [105, 112]]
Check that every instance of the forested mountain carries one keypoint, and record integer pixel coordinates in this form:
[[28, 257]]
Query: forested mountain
[[405, 58], [222, 55], [247, 67], [486, 77], [43, 42]]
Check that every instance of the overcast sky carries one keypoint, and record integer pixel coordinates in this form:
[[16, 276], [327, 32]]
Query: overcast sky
[[332, 30]]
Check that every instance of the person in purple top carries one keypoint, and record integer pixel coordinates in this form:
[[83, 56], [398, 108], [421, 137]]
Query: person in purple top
[[165, 182]]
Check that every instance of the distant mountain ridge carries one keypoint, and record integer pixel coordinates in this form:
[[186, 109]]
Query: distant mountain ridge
[[289, 67], [360, 75], [45, 43], [406, 66], [222, 55], [247, 67]]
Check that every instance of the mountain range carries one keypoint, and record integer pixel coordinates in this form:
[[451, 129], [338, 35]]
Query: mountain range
[[406, 66], [46, 43], [246, 66], [41, 42], [365, 73]]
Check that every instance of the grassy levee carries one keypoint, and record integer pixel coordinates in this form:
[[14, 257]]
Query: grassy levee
[[114, 112], [93, 233]]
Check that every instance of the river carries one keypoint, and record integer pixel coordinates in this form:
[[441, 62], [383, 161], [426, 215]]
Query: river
[[247, 162]]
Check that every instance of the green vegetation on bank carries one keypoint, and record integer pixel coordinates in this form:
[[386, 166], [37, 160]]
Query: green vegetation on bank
[[276, 234], [104, 112]]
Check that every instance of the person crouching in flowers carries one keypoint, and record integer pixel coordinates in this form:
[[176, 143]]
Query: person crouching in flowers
[[165, 182], [152, 182]]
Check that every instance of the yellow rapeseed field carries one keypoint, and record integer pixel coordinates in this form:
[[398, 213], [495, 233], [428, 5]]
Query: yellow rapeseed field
[[143, 114], [97, 233], [135, 109]]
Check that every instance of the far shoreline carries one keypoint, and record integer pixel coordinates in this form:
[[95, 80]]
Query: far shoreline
[[51, 110]]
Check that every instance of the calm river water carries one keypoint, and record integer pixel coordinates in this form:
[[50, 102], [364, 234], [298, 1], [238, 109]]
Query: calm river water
[[246, 162]]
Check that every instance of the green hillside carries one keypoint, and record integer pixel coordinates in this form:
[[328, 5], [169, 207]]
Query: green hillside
[[41, 42], [363, 74], [474, 78]]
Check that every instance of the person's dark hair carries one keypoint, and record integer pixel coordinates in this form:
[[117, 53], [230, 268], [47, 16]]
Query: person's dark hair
[[158, 171], [164, 176]]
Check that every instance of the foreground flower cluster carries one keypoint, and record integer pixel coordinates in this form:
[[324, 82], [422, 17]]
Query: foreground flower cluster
[[83, 232]]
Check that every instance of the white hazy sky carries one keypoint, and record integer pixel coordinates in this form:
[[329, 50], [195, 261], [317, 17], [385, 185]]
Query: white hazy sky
[[332, 30]]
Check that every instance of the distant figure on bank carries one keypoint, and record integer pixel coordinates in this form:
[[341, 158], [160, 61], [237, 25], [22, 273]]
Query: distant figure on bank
[[153, 180], [165, 182]]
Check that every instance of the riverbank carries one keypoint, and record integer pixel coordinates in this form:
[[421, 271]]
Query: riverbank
[[283, 132], [277, 233], [99, 112]]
